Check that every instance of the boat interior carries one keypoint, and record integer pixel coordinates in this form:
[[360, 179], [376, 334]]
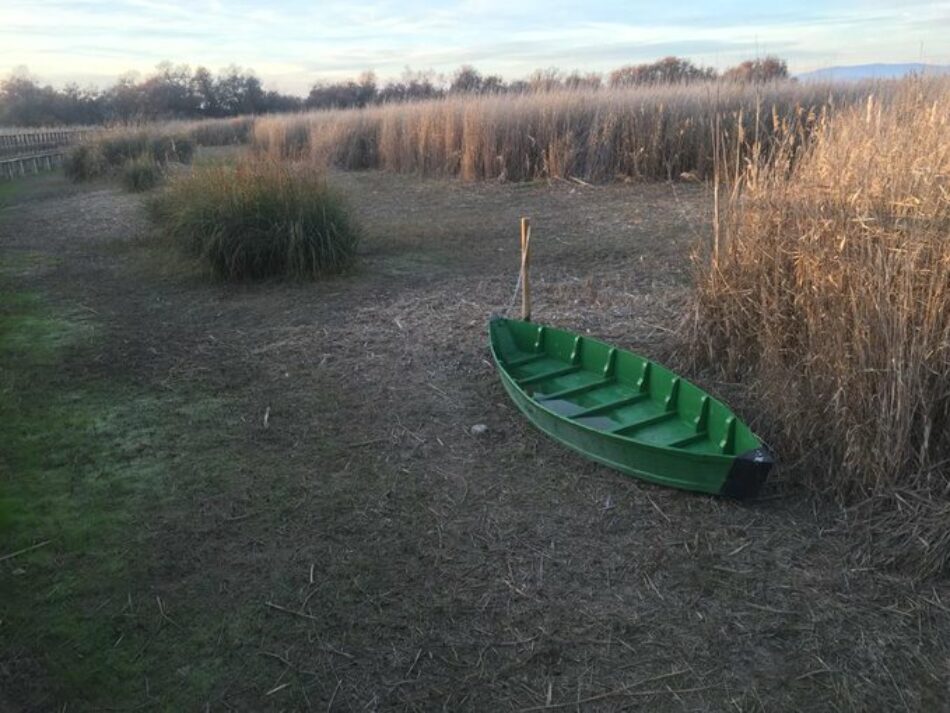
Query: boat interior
[[615, 391]]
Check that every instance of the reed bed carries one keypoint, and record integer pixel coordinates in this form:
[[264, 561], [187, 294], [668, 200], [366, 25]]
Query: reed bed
[[828, 285], [217, 132], [658, 132]]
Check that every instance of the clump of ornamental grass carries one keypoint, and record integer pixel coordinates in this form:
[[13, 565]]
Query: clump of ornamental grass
[[84, 162], [828, 287], [120, 146], [259, 219], [170, 148], [110, 152], [142, 173], [222, 132]]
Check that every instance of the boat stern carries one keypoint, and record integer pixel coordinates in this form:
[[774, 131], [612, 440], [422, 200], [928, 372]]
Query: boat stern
[[748, 474]]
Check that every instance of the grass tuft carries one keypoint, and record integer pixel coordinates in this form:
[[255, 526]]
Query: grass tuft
[[169, 148], [110, 152], [259, 219], [141, 174], [85, 162]]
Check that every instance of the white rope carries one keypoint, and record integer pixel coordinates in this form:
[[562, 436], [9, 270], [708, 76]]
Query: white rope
[[514, 295]]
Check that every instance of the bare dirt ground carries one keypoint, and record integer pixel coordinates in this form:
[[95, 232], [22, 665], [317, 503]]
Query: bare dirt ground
[[312, 524]]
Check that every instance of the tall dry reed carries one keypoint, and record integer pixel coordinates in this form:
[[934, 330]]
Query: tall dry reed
[[831, 289], [656, 132]]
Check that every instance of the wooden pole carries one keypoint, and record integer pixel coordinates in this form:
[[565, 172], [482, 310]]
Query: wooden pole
[[524, 225], [525, 264]]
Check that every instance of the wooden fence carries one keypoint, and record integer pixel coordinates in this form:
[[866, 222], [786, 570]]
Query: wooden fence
[[11, 168], [34, 151]]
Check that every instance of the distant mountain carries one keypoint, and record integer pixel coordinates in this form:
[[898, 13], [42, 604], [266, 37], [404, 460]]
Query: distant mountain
[[872, 71]]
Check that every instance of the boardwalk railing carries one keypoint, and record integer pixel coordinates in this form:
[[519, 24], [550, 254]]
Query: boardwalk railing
[[23, 165], [28, 152]]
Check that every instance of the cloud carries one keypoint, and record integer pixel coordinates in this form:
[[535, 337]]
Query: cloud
[[294, 42]]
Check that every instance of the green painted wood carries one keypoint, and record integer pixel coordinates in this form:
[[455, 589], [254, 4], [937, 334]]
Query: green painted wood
[[623, 410]]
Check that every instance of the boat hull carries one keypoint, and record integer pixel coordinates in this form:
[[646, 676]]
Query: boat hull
[[738, 475]]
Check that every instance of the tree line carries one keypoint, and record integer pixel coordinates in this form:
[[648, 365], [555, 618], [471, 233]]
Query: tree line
[[177, 92]]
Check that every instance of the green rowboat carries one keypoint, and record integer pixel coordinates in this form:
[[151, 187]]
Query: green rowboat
[[626, 411]]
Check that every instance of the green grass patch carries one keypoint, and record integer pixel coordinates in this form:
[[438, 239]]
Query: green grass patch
[[8, 189], [23, 262], [30, 333], [88, 465]]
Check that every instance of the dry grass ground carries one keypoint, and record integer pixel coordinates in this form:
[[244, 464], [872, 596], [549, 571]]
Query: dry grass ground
[[315, 527]]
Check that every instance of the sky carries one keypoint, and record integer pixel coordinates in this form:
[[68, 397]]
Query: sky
[[292, 44]]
